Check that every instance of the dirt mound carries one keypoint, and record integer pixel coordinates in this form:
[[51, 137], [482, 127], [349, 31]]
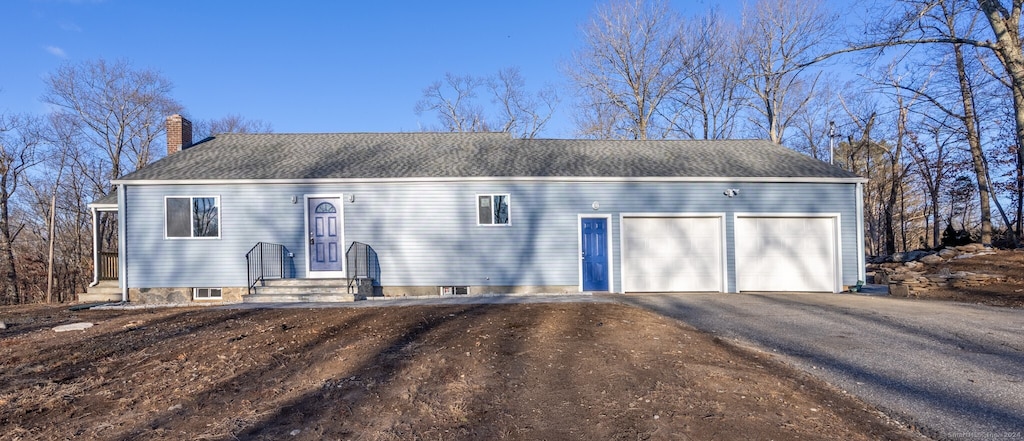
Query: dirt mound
[[541, 371]]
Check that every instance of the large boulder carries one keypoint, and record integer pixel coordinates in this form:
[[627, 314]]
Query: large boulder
[[931, 259], [971, 248], [909, 256]]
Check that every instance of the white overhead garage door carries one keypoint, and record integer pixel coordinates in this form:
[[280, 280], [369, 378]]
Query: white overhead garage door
[[671, 254], [786, 254]]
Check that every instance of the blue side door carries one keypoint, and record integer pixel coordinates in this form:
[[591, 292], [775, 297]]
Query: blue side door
[[594, 247]]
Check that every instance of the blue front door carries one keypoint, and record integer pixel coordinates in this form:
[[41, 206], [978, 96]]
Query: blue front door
[[324, 235], [594, 246]]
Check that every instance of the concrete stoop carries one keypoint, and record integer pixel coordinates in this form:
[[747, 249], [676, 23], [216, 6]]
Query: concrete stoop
[[104, 291], [302, 290]]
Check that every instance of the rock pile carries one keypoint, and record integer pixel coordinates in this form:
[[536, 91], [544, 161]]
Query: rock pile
[[909, 274]]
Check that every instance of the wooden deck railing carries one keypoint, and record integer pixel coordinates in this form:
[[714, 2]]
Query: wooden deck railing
[[107, 265]]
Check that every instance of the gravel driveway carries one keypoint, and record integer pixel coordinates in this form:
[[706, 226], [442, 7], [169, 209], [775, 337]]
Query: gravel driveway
[[955, 371]]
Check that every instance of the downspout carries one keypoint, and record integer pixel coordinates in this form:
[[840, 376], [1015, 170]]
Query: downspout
[[95, 249], [122, 249], [861, 264]]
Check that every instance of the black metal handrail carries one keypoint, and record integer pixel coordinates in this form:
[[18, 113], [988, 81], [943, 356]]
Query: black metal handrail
[[362, 263], [264, 261]]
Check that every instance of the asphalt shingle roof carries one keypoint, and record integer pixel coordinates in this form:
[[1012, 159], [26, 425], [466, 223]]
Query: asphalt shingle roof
[[431, 155]]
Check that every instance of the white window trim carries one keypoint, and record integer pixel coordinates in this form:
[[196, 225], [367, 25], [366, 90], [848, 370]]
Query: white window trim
[[220, 217], [476, 209], [195, 294]]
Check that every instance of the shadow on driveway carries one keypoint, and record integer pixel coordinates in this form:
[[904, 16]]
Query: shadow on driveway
[[955, 371]]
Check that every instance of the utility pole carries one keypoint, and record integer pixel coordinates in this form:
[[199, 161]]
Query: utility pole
[[831, 136]]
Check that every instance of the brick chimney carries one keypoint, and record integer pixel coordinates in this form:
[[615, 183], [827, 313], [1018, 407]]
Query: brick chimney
[[179, 134]]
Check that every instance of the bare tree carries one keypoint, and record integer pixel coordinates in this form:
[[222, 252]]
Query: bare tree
[[232, 123], [782, 38], [813, 126], [120, 111], [945, 19], [711, 93], [456, 104], [19, 140], [1006, 26], [926, 22], [452, 100], [861, 154], [628, 67], [897, 171], [934, 163], [519, 112], [106, 120]]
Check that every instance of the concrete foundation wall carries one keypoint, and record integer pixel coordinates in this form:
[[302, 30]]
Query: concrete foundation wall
[[181, 295], [413, 291]]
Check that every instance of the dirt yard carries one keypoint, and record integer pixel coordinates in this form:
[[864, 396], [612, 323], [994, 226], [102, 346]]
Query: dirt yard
[[537, 371]]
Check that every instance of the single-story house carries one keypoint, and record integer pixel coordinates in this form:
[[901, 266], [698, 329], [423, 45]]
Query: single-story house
[[454, 213]]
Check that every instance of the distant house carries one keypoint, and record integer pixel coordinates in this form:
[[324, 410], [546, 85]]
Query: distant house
[[399, 214]]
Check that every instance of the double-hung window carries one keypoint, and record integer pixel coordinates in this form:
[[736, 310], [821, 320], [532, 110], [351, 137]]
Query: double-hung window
[[192, 217], [492, 209]]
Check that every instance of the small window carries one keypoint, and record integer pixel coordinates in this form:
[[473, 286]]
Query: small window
[[192, 217], [206, 293], [492, 209]]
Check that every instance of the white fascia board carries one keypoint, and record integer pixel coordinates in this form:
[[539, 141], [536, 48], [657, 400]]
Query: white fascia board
[[102, 207], [491, 179]]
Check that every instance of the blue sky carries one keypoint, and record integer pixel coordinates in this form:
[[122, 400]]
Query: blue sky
[[302, 66]]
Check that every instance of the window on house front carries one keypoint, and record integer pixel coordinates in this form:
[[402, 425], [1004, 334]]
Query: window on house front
[[192, 217], [206, 293], [492, 209]]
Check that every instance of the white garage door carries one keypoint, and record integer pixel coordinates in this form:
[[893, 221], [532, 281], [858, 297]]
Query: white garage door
[[786, 254], [670, 254]]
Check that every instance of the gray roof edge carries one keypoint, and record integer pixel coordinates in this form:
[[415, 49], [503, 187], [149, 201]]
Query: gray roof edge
[[398, 180], [404, 156], [106, 201]]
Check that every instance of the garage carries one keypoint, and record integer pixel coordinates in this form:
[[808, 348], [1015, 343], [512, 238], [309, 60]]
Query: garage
[[786, 254], [672, 254]]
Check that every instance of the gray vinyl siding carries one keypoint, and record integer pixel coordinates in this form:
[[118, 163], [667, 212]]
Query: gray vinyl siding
[[426, 233]]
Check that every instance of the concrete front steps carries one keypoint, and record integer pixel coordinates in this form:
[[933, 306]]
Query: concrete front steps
[[302, 290], [104, 291]]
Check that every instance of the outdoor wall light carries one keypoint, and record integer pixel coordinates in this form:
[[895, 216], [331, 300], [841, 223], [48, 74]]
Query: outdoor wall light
[[352, 198], [596, 205], [295, 199], [731, 192]]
